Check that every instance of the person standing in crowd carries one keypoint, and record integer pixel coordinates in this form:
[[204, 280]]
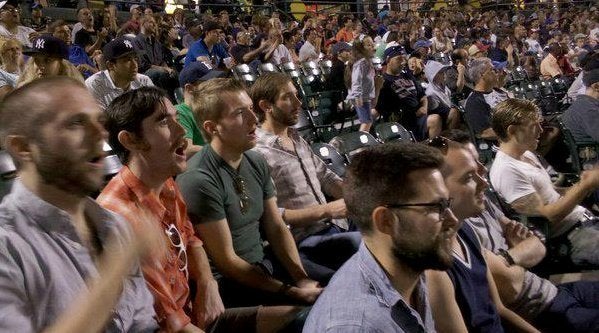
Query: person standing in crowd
[[396, 195], [362, 90], [68, 265], [120, 75], [86, 36], [310, 50]]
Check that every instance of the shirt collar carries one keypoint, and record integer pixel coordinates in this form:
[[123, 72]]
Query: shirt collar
[[377, 278], [144, 195], [109, 79], [270, 139], [55, 220]]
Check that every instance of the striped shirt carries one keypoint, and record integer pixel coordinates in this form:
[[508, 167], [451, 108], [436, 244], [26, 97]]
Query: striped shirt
[[104, 90], [299, 177]]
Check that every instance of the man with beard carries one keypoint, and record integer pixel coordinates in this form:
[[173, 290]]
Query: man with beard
[[121, 73], [301, 179], [466, 296], [231, 202], [67, 264], [396, 195], [510, 248]]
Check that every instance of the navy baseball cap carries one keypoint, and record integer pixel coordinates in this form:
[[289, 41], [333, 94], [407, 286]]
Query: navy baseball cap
[[50, 46], [392, 52], [340, 47], [117, 48], [198, 71], [422, 43]]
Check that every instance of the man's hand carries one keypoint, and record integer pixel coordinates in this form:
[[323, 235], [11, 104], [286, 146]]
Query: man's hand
[[336, 209], [461, 69], [515, 232], [306, 295], [421, 112], [102, 34], [207, 305], [33, 36], [590, 178]]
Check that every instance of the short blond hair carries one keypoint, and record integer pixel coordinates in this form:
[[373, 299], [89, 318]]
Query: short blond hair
[[512, 111], [207, 102]]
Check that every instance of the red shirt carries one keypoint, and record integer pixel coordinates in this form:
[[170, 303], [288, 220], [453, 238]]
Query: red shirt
[[126, 195]]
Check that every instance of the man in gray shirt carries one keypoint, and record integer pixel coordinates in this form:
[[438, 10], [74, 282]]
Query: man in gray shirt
[[54, 240], [396, 195]]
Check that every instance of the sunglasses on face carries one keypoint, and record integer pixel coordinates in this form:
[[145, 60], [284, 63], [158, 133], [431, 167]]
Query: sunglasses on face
[[439, 142]]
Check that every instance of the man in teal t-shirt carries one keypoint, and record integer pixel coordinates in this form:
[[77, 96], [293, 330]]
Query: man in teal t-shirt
[[189, 79]]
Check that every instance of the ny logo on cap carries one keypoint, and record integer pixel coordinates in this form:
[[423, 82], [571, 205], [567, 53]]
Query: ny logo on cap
[[128, 44], [39, 44]]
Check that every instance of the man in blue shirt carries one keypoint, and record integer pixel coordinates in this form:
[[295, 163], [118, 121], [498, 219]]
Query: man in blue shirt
[[396, 195], [208, 48]]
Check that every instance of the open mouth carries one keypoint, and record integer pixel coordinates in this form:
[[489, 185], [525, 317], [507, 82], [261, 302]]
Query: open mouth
[[97, 160], [180, 148]]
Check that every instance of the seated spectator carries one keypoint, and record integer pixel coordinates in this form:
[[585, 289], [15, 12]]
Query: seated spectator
[[477, 50], [289, 40], [10, 24], [37, 21], [466, 295], [49, 57], [244, 53], [341, 55], [193, 32], [401, 94], [519, 177], [440, 43], [68, 265], [134, 22], [549, 66], [144, 132], [209, 48], [120, 75], [503, 51], [455, 74], [439, 100], [310, 50], [477, 110], [230, 199], [345, 34], [189, 79], [382, 287], [511, 249], [277, 53], [11, 65], [533, 42], [582, 117], [77, 55], [152, 57], [85, 35], [301, 180]]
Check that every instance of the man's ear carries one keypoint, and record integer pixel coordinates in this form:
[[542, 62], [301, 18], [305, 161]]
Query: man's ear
[[265, 105], [210, 127], [511, 131], [131, 142], [189, 88], [383, 220], [19, 147]]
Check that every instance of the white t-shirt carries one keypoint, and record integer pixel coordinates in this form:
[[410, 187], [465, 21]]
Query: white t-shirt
[[22, 34], [307, 52], [280, 53], [514, 179]]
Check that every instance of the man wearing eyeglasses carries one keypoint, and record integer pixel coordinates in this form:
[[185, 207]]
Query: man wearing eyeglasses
[[396, 195], [10, 24], [231, 201], [510, 250], [466, 295]]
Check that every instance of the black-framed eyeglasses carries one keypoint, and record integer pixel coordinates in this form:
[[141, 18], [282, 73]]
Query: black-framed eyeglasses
[[176, 241], [241, 189], [439, 142], [441, 206]]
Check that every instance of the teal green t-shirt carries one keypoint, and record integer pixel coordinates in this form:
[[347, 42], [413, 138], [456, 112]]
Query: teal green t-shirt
[[209, 190], [186, 119]]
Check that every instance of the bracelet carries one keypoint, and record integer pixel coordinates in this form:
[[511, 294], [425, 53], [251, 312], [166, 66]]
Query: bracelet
[[507, 256], [284, 289]]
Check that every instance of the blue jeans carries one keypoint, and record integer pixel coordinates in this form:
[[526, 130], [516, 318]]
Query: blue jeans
[[323, 253], [575, 308]]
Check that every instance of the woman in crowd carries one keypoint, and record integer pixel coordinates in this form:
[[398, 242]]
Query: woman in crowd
[[11, 64]]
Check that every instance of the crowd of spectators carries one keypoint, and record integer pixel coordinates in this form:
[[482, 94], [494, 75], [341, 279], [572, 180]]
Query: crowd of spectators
[[222, 218]]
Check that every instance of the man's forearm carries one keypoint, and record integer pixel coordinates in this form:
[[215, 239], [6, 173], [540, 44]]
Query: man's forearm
[[304, 217], [529, 252], [285, 250]]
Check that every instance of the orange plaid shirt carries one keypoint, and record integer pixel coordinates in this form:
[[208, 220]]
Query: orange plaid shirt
[[126, 195]]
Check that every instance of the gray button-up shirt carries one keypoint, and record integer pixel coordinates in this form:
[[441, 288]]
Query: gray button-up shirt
[[361, 298], [44, 266], [299, 177], [104, 90]]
